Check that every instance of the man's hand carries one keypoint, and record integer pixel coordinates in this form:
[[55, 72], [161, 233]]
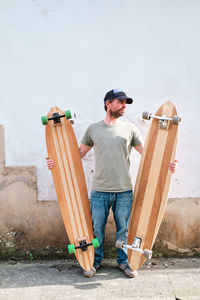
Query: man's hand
[[50, 163], [173, 166]]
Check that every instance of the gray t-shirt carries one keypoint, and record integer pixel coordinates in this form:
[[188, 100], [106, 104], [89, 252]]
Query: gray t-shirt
[[112, 146]]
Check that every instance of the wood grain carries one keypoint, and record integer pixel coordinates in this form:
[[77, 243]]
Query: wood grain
[[69, 181], [152, 184]]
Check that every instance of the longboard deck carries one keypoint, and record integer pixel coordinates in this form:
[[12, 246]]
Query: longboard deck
[[69, 181], [152, 184]]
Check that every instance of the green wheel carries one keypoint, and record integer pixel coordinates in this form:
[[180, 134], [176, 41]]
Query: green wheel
[[44, 120], [68, 114], [95, 243], [71, 249]]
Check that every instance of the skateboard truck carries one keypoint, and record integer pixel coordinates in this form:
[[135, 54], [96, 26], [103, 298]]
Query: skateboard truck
[[56, 118], [136, 246], [163, 120], [83, 245]]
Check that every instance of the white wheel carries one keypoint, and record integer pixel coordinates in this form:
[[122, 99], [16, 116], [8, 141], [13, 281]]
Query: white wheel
[[176, 120], [146, 115], [119, 244], [147, 253]]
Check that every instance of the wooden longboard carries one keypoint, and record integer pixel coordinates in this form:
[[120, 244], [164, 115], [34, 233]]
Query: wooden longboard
[[152, 184], [69, 181]]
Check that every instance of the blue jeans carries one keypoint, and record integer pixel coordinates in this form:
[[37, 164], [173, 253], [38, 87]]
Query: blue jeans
[[121, 206]]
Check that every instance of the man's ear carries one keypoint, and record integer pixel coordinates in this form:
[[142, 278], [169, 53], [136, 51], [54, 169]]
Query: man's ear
[[107, 104]]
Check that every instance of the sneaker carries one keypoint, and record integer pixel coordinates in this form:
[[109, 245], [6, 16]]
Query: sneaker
[[90, 273], [96, 266], [127, 270]]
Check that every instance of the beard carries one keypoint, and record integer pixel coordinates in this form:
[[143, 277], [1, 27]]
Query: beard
[[117, 113]]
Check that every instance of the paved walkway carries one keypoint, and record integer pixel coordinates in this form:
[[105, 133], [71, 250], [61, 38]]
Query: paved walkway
[[57, 280]]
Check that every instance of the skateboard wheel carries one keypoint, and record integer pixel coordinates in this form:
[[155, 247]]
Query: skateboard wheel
[[147, 253], [71, 249], [119, 244], [68, 114], [44, 120], [146, 115], [176, 120], [95, 243]]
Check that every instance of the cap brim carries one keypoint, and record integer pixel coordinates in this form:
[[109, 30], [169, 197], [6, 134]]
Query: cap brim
[[128, 100]]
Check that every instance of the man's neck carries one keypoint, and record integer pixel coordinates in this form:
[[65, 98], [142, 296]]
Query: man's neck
[[110, 120]]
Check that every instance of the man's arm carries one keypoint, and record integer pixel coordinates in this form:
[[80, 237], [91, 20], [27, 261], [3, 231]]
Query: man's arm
[[172, 165], [83, 149], [139, 148]]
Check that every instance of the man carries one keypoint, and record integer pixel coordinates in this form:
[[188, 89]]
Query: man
[[112, 140]]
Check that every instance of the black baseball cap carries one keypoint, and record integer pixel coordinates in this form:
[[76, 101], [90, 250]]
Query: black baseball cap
[[119, 94]]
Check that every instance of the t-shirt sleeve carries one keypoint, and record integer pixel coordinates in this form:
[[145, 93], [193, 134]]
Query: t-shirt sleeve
[[137, 138], [87, 139]]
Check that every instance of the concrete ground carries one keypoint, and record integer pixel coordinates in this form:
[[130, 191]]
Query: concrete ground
[[55, 280]]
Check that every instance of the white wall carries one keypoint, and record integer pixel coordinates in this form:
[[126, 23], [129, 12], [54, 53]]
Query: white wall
[[70, 53]]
